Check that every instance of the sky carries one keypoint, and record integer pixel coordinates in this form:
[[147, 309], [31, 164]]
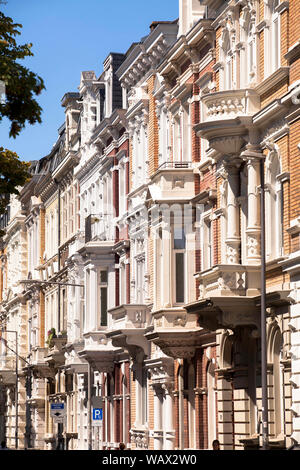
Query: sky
[[70, 36]]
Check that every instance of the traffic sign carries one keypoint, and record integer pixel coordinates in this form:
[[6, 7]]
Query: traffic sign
[[57, 411], [97, 416]]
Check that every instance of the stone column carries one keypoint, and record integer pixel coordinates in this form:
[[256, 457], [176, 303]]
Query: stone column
[[233, 239], [158, 442], [253, 225], [169, 432]]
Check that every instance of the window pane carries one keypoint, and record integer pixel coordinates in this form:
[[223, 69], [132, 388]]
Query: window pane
[[103, 292], [179, 257], [103, 276], [179, 238]]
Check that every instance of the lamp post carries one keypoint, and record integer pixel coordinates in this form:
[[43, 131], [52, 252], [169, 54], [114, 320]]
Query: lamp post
[[264, 381]]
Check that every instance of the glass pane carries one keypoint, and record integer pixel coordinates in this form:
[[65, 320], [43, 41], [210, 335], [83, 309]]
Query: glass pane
[[103, 292], [103, 276], [179, 238], [179, 277]]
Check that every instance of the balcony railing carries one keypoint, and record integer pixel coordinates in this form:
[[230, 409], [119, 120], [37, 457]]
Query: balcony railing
[[97, 229], [174, 165], [230, 104]]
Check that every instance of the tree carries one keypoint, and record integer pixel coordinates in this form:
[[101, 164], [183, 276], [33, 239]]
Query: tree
[[19, 106], [21, 84]]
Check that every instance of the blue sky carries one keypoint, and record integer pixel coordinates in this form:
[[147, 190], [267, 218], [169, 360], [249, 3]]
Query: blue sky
[[69, 36]]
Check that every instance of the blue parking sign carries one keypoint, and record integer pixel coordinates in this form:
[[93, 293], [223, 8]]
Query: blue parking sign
[[97, 414]]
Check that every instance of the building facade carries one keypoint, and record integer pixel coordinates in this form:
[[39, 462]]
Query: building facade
[[131, 264]]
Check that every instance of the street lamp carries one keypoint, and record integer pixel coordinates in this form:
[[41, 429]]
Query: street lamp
[[264, 382]]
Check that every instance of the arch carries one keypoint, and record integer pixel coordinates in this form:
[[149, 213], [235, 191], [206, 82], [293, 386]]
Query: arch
[[211, 403], [273, 204], [274, 353], [191, 379], [226, 350]]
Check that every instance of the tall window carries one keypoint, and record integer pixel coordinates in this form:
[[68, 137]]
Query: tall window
[[186, 133], [275, 27], [275, 356], [140, 279], [274, 207], [191, 407], [211, 405], [103, 283], [207, 242], [179, 256], [227, 62], [164, 153], [272, 41], [248, 52]]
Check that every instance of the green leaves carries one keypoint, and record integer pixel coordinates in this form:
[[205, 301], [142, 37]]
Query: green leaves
[[21, 84], [19, 106], [13, 174]]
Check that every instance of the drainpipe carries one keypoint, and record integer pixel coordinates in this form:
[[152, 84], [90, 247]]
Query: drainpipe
[[264, 384]]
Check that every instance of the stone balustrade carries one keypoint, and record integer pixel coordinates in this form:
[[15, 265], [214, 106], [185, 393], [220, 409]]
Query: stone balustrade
[[229, 104]]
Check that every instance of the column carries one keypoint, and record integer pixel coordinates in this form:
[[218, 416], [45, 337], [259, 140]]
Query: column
[[233, 216], [253, 225], [169, 432], [158, 442]]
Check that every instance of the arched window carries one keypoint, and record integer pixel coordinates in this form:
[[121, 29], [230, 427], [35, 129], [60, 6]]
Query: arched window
[[276, 404], [272, 43], [248, 50], [191, 407], [273, 206], [227, 61], [211, 404]]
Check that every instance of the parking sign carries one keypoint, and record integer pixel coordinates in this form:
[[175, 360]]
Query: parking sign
[[97, 416]]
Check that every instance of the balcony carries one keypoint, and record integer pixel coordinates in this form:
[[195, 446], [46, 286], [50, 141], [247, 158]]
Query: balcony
[[97, 349], [8, 369], [98, 235], [39, 365], [226, 115], [176, 333], [129, 324], [56, 353], [230, 297], [173, 181], [229, 280], [230, 104]]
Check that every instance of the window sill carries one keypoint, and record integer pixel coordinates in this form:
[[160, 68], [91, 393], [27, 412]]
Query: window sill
[[271, 80]]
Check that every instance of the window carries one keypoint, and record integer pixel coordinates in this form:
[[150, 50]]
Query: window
[[179, 244], [207, 242], [140, 279], [103, 283], [122, 282], [227, 62], [275, 37], [164, 145], [211, 405], [272, 42], [177, 148], [274, 207], [186, 133]]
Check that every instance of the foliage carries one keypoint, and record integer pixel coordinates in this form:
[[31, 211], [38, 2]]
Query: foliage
[[21, 84], [51, 335], [19, 106]]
